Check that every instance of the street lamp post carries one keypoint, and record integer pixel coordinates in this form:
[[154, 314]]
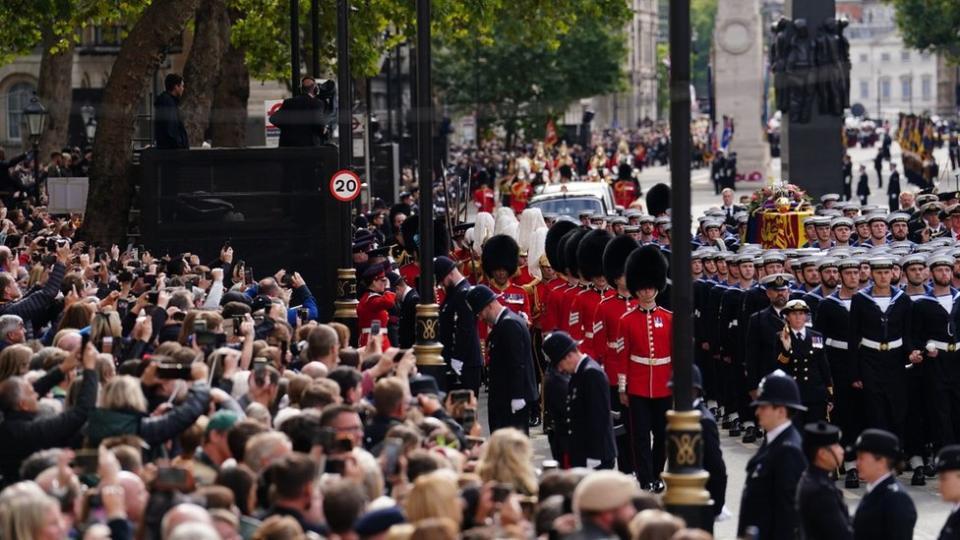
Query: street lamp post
[[88, 115], [686, 480], [36, 116]]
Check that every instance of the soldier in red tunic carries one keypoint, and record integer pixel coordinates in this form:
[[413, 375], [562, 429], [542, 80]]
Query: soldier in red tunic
[[606, 334], [570, 318], [499, 261], [554, 317], [645, 353], [625, 188], [410, 268], [484, 198], [374, 304], [520, 192], [590, 261]]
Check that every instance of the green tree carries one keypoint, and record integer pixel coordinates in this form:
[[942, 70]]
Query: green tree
[[703, 15], [930, 25]]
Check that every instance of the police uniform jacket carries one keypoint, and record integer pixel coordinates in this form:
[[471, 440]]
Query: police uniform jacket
[[407, 332], [458, 328], [713, 458], [823, 513], [589, 425], [764, 345], [511, 372], [833, 322], [951, 529], [807, 364], [769, 494], [886, 512], [881, 339], [555, 387]]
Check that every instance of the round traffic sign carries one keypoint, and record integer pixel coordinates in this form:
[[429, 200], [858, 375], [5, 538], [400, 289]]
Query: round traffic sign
[[345, 185]]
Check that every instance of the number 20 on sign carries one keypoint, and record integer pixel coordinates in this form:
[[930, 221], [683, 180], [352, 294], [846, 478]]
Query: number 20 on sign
[[345, 185]]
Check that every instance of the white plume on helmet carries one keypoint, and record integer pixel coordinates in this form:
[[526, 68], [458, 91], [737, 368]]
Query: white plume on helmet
[[483, 226], [536, 250], [530, 220]]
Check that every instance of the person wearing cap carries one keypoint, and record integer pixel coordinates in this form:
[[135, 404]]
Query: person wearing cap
[[769, 493], [588, 421], [757, 298], [500, 260], [372, 309], [590, 261], [375, 524], [645, 355], [520, 192], [822, 230], [886, 510], [829, 279], [930, 226], [704, 321], [457, 328], [947, 467], [603, 502], [407, 299], [214, 450], [801, 356], [829, 200], [763, 329], [732, 344], [833, 321], [898, 225], [823, 512], [863, 185], [484, 198], [893, 188], [647, 230], [513, 388], [881, 340], [842, 229], [808, 276]]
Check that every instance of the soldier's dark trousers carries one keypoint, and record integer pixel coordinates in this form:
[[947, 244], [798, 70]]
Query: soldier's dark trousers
[[649, 416], [885, 407], [847, 412], [943, 379], [624, 453], [918, 429]]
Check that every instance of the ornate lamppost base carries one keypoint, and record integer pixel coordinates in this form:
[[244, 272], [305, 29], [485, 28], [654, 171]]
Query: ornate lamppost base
[[428, 349], [345, 306], [686, 495]]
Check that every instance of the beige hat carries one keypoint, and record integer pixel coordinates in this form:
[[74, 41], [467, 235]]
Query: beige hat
[[604, 490]]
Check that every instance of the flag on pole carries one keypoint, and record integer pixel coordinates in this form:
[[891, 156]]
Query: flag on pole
[[550, 138]]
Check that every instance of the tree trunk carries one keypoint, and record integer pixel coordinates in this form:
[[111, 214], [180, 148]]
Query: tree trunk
[[229, 114], [202, 69], [108, 203], [54, 88]]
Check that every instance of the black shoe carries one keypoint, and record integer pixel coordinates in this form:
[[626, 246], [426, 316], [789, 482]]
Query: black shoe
[[749, 435], [658, 487], [534, 421], [852, 481], [736, 428], [929, 471], [918, 478], [726, 423]]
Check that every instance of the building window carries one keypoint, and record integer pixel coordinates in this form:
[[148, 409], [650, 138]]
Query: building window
[[926, 87], [863, 58], [904, 56], [884, 57], [885, 89], [864, 89], [17, 98], [906, 88]]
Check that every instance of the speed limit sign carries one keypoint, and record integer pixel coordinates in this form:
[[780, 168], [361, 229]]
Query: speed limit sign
[[345, 185]]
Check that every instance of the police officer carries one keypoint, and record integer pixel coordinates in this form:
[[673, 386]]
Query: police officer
[[823, 513], [886, 511], [948, 468], [588, 421], [769, 494], [801, 356], [458, 327], [513, 384]]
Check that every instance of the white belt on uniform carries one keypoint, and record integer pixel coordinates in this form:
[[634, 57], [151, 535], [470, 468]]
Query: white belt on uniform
[[881, 346], [588, 335], [944, 346], [733, 323], [365, 331], [836, 343], [647, 361]]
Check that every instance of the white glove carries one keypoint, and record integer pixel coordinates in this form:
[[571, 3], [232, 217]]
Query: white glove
[[593, 463], [517, 404], [457, 366]]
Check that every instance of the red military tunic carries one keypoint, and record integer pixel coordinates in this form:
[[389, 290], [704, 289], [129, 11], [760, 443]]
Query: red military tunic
[[411, 274], [520, 193], [586, 305], [523, 276], [484, 199], [606, 334], [553, 314], [373, 306], [624, 193], [645, 352], [570, 320]]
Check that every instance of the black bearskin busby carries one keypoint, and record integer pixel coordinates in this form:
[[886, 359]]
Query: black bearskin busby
[[441, 238], [571, 243], [658, 200], [410, 231], [500, 252], [615, 257], [646, 267], [624, 172], [590, 253], [552, 244]]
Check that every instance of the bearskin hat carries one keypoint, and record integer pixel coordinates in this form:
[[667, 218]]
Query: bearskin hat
[[658, 200], [646, 267], [441, 238], [624, 172], [410, 231], [500, 252], [590, 253], [570, 246], [615, 256], [552, 243]]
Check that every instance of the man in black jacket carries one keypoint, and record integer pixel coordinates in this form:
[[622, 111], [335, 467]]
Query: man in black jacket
[[948, 468], [36, 302], [19, 405], [407, 300], [168, 130], [302, 118], [823, 513], [458, 328], [589, 425], [886, 511], [513, 385], [769, 495]]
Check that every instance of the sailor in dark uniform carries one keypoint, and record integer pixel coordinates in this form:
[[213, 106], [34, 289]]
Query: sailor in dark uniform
[[823, 512], [769, 494], [801, 356], [829, 279], [948, 468], [886, 511], [588, 421]]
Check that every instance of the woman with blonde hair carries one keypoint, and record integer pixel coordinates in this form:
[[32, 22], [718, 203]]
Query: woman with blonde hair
[[435, 495], [435, 529], [15, 361], [508, 458], [213, 319], [655, 525], [77, 317], [33, 517], [279, 528], [105, 324]]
